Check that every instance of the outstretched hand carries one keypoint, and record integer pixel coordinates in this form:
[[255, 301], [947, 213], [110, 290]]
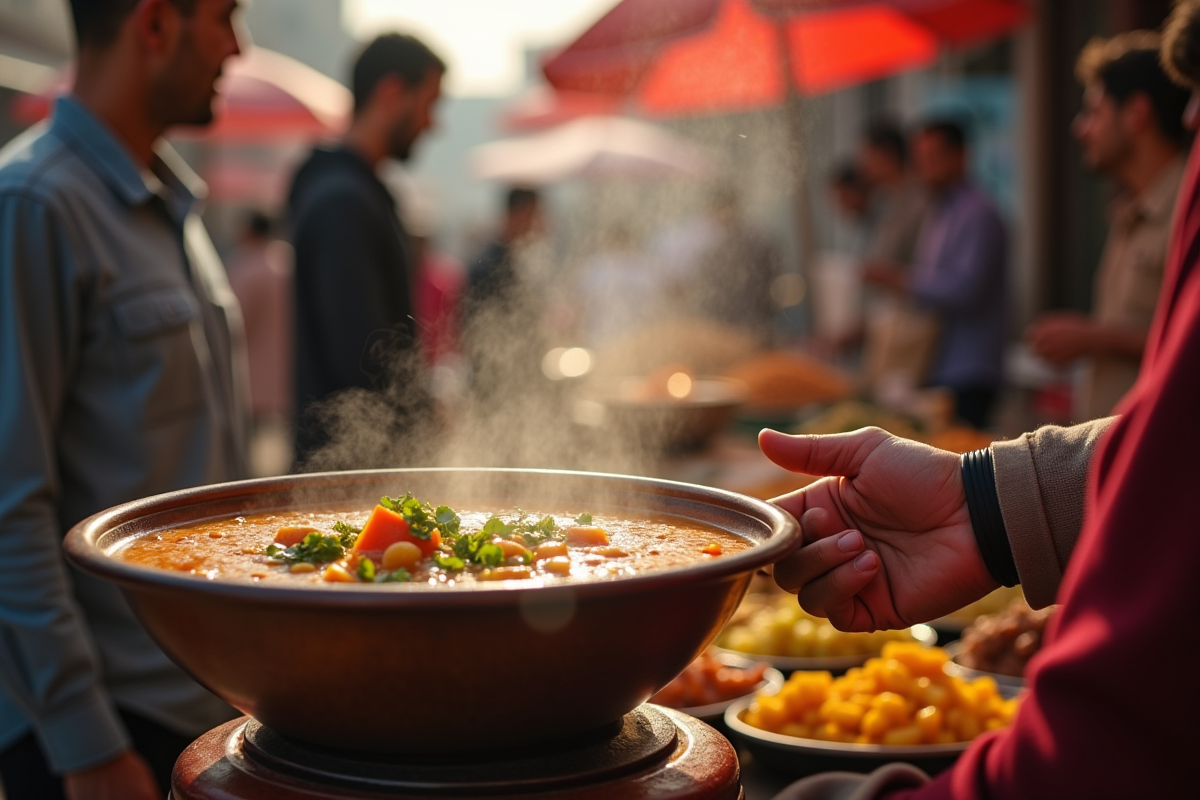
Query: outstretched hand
[[887, 536], [126, 777]]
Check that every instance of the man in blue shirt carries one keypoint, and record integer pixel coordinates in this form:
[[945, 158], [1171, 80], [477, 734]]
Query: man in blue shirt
[[959, 273], [121, 375]]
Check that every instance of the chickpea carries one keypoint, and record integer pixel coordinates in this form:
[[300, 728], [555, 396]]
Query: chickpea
[[401, 554], [336, 573]]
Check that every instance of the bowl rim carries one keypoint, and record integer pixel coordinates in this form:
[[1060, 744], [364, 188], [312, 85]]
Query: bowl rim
[[737, 393], [83, 552], [954, 649], [797, 744]]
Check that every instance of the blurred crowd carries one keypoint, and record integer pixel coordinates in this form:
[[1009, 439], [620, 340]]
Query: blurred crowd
[[918, 298], [929, 266]]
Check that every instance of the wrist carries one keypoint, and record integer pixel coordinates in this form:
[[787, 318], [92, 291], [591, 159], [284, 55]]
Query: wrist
[[987, 521]]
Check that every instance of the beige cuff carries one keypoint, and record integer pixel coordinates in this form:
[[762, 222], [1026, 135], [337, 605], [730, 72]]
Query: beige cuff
[[853, 786], [1026, 522]]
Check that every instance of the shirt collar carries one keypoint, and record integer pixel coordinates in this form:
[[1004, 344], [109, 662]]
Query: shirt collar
[[177, 185]]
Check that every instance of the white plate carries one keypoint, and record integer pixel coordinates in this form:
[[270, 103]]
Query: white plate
[[923, 634], [817, 747]]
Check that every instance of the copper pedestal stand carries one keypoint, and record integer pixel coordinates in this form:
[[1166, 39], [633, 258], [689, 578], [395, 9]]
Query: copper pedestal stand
[[652, 753]]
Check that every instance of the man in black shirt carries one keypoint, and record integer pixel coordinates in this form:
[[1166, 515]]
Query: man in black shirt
[[354, 262]]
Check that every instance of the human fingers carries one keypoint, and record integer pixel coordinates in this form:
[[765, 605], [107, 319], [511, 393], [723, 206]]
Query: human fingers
[[126, 777], [818, 495], [833, 594], [814, 560], [819, 522], [833, 454]]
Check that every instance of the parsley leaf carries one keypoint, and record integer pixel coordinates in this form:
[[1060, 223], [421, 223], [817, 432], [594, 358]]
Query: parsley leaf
[[366, 570], [315, 548], [398, 575], [451, 563], [536, 531], [422, 518], [496, 527], [584, 519], [347, 534], [490, 555], [477, 548]]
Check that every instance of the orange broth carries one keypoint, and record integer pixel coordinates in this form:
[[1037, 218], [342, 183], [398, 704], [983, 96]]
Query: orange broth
[[235, 550]]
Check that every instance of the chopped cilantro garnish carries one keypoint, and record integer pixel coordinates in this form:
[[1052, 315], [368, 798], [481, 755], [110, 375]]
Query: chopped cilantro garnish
[[422, 518], [477, 548], [315, 548], [584, 519], [347, 533], [398, 575], [534, 531], [366, 570], [451, 563], [490, 555]]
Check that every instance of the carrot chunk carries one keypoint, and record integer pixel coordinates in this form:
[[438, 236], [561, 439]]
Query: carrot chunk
[[586, 536], [386, 527], [289, 535]]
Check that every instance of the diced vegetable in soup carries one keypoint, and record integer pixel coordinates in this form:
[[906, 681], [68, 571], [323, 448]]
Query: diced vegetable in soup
[[405, 540]]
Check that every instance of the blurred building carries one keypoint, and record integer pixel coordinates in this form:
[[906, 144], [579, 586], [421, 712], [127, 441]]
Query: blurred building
[[311, 31], [35, 40]]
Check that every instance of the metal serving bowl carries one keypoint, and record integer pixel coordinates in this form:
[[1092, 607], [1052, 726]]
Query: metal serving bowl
[[664, 423], [414, 669]]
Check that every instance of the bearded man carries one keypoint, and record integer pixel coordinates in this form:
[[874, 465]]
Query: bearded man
[[122, 375], [1130, 130], [354, 270]]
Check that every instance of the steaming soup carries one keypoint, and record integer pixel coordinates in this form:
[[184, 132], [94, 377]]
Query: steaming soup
[[404, 540]]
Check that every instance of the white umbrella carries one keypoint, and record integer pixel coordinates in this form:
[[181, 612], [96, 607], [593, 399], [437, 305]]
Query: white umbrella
[[591, 147]]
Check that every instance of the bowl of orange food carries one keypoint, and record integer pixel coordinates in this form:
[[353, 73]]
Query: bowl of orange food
[[902, 706], [669, 410], [435, 611], [714, 681]]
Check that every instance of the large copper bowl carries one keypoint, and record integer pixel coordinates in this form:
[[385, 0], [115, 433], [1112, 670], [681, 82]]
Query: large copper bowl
[[415, 669]]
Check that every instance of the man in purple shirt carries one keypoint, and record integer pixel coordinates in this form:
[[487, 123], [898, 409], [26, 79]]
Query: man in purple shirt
[[959, 272]]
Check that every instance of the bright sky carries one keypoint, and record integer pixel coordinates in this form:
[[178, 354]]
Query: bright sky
[[482, 40]]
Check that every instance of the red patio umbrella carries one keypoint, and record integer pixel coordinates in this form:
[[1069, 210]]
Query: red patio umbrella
[[264, 96], [685, 57]]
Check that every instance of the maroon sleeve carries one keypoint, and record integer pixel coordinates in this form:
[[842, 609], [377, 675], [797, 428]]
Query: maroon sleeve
[[1111, 711]]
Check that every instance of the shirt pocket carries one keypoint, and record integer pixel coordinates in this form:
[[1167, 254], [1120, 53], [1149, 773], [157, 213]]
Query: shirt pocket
[[1145, 285], [155, 312], [161, 364]]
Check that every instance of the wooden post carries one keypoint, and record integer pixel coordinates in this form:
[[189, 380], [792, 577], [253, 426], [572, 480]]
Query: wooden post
[[793, 109]]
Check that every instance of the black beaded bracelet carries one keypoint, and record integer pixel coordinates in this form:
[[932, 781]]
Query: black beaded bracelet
[[983, 504]]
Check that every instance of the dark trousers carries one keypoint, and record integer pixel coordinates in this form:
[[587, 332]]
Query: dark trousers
[[973, 404], [26, 775]]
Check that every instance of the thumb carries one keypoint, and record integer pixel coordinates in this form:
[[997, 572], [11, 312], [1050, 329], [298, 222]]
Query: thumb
[[833, 454]]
